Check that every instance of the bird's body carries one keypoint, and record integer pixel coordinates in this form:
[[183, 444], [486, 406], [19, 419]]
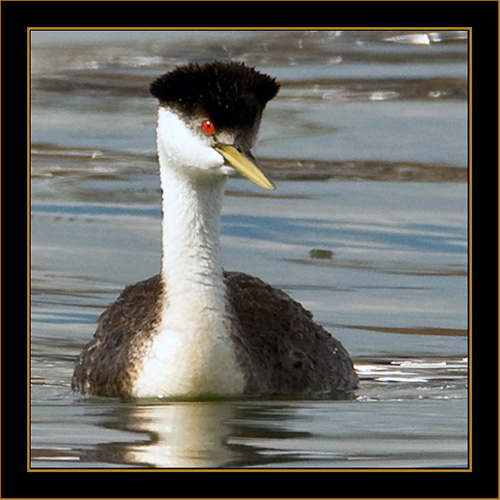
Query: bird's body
[[195, 330]]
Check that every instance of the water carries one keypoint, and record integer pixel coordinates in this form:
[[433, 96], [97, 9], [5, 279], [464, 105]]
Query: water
[[367, 141]]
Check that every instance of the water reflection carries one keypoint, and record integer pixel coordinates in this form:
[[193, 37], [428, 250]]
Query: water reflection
[[210, 434], [181, 435], [372, 431]]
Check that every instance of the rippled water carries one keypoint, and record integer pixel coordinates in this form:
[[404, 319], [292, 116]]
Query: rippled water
[[367, 141]]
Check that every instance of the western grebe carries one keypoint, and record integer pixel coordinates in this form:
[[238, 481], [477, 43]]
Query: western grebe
[[196, 330]]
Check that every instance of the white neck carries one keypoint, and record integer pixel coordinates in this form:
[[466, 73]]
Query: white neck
[[192, 187], [191, 258]]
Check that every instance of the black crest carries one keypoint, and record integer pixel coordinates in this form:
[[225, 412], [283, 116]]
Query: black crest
[[232, 94]]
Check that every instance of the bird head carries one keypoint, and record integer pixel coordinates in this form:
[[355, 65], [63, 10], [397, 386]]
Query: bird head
[[209, 116]]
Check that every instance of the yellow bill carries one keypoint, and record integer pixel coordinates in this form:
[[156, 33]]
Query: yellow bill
[[244, 165]]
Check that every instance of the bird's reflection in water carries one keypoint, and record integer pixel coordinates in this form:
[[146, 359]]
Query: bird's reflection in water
[[206, 434]]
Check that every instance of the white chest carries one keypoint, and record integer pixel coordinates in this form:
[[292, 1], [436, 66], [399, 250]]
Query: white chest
[[192, 359]]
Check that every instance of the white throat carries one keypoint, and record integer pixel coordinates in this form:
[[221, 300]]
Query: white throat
[[192, 354], [191, 254]]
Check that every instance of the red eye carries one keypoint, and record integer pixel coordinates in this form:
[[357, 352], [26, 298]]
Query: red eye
[[208, 127]]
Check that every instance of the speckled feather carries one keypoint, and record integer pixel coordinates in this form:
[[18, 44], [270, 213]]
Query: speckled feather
[[291, 353], [107, 364], [279, 347]]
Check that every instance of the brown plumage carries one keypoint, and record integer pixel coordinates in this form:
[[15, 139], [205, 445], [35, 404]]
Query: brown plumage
[[279, 347]]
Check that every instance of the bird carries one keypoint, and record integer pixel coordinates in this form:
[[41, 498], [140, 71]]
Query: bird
[[196, 330]]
